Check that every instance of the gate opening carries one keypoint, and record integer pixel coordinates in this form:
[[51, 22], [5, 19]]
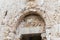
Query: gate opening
[[36, 36]]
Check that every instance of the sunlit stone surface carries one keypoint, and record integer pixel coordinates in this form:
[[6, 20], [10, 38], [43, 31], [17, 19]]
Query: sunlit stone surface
[[14, 20]]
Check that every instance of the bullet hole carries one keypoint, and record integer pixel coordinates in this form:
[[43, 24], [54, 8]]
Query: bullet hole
[[49, 28], [14, 32], [2, 23], [24, 20], [40, 25], [44, 12], [56, 10], [33, 24], [6, 13], [49, 33], [44, 38]]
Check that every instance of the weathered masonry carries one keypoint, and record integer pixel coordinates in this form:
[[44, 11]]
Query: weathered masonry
[[32, 23], [29, 19]]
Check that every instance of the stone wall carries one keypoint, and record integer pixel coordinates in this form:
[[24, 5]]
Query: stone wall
[[12, 12]]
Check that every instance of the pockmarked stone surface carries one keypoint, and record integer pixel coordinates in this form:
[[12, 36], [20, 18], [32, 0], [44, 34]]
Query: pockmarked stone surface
[[19, 17]]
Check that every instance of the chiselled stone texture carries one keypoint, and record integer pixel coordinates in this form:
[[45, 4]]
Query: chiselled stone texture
[[13, 21]]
